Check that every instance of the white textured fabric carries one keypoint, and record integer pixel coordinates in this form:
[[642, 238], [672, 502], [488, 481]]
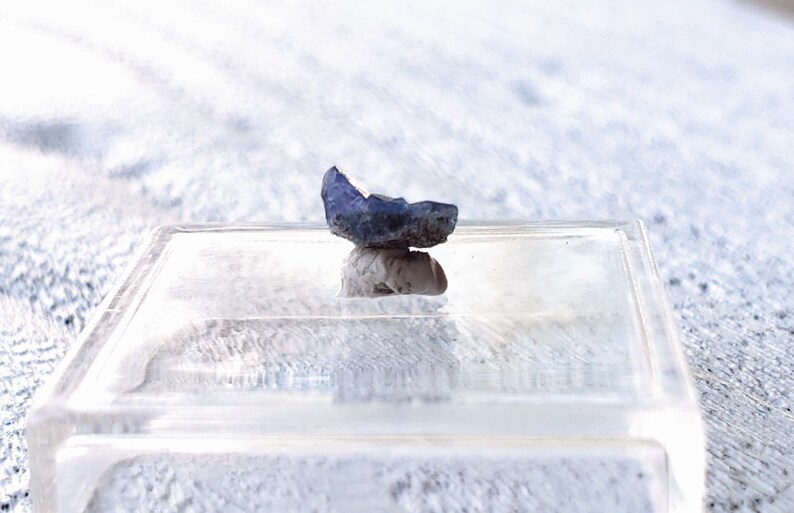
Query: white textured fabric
[[115, 118]]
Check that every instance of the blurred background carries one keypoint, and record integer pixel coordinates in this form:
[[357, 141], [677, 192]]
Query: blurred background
[[116, 117]]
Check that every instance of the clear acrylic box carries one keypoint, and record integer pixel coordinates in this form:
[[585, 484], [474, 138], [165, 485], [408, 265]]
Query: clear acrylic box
[[225, 374]]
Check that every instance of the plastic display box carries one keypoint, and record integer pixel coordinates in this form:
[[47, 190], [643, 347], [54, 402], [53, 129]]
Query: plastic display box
[[225, 374]]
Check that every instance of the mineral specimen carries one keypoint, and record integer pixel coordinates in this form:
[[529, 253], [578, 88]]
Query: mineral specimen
[[377, 221]]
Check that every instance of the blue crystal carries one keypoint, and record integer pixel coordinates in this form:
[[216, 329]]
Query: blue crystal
[[377, 221]]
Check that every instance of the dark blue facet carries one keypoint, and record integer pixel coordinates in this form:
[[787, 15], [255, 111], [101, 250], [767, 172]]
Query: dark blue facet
[[377, 221]]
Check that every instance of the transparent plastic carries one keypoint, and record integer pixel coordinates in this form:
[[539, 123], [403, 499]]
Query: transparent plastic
[[224, 373]]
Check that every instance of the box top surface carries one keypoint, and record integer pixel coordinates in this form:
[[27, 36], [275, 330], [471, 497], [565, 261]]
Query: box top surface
[[543, 313]]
